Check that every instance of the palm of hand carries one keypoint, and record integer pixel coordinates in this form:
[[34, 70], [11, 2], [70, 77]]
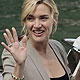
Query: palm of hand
[[17, 51]]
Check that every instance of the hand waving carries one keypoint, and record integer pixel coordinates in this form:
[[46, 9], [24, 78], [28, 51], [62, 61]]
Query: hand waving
[[17, 51]]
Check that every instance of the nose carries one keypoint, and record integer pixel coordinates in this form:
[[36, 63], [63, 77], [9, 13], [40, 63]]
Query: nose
[[37, 23]]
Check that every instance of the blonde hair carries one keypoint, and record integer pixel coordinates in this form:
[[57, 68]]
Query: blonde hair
[[30, 5]]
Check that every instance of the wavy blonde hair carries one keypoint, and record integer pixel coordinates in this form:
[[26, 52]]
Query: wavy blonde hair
[[30, 5]]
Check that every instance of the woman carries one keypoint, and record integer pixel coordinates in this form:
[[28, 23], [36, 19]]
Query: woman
[[35, 57]]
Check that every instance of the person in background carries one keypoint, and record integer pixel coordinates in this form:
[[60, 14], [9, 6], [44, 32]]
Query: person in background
[[35, 57]]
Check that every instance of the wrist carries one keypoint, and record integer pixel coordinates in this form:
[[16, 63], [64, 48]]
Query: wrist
[[16, 78], [19, 70]]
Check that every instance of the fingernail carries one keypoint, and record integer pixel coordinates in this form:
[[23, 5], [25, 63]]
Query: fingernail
[[4, 33], [6, 29], [13, 28], [1, 42]]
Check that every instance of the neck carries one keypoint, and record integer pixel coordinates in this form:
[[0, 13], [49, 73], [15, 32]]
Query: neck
[[41, 47]]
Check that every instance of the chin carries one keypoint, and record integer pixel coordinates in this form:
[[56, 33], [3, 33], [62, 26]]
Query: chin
[[39, 39]]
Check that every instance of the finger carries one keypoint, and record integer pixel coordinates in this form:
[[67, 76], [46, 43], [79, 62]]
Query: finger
[[15, 34], [5, 46], [6, 38], [9, 35], [24, 41]]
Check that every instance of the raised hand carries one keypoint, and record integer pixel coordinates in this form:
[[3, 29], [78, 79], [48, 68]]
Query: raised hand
[[18, 51]]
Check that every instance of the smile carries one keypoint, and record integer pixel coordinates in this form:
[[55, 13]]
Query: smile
[[38, 33]]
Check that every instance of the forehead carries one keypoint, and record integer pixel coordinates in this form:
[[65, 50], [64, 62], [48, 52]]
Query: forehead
[[42, 9]]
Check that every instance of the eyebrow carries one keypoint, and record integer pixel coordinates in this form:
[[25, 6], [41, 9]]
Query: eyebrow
[[30, 16], [44, 16], [40, 16]]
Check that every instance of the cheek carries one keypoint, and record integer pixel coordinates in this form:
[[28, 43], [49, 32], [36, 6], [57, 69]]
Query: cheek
[[50, 30], [49, 27], [28, 26]]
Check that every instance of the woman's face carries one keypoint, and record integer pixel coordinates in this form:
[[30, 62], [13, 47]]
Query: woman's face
[[39, 23]]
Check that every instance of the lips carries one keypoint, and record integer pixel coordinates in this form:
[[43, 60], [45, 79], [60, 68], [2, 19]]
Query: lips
[[38, 32]]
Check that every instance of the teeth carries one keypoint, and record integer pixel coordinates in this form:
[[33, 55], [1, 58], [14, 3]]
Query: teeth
[[38, 32]]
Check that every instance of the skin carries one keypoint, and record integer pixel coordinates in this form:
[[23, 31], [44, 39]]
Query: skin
[[39, 25], [16, 50], [39, 20]]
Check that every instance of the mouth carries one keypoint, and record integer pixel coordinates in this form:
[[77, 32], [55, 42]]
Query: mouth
[[38, 32]]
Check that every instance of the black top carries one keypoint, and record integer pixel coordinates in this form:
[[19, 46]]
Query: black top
[[65, 77]]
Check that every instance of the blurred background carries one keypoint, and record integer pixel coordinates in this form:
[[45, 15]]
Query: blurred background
[[68, 25]]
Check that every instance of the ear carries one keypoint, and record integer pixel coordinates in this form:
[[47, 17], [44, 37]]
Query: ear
[[54, 22], [55, 19]]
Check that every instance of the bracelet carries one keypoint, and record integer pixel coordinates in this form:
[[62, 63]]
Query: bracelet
[[16, 78]]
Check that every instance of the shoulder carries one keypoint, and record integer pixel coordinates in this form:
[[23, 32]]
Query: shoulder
[[56, 43], [60, 48]]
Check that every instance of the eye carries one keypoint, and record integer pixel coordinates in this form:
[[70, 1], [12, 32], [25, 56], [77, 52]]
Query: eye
[[44, 18], [30, 18]]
